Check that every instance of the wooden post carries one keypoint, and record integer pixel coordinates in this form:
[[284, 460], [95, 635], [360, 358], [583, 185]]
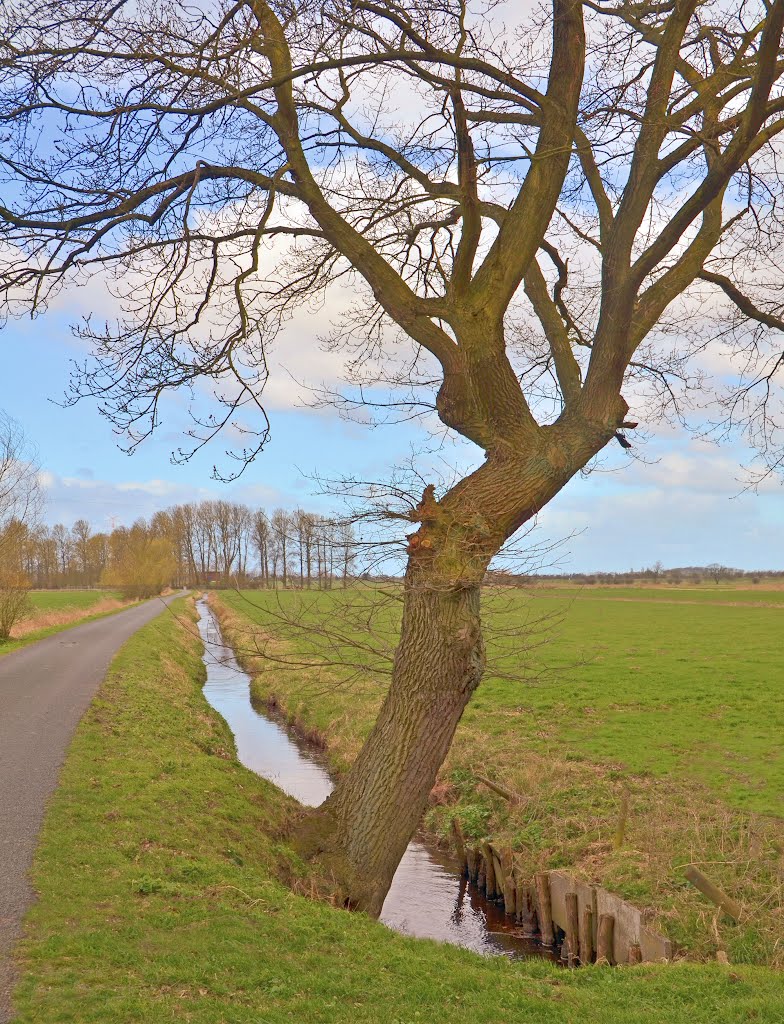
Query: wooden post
[[507, 866], [487, 856], [544, 908], [472, 865], [519, 893], [586, 936], [460, 847], [563, 953], [714, 893], [572, 929], [499, 875], [635, 954], [526, 909], [604, 939], [481, 878], [623, 814]]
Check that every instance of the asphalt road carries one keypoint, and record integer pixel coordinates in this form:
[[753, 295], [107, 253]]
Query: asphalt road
[[44, 691]]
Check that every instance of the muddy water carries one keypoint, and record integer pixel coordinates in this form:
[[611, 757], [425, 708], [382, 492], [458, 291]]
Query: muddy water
[[428, 897]]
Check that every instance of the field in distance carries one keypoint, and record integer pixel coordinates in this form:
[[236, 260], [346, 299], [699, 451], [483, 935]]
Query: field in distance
[[685, 593], [67, 600]]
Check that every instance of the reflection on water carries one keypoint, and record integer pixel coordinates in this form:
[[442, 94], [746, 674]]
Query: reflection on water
[[428, 897]]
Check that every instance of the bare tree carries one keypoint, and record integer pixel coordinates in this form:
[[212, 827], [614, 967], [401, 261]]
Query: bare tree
[[20, 491], [717, 572], [14, 601], [81, 533], [230, 524], [280, 524], [142, 563], [20, 499], [261, 542], [303, 523], [529, 216], [347, 541], [62, 540]]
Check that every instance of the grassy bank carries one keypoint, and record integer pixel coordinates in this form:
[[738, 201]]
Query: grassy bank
[[158, 899], [682, 708], [55, 610]]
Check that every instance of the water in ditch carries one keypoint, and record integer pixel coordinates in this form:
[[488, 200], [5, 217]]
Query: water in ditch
[[428, 898]]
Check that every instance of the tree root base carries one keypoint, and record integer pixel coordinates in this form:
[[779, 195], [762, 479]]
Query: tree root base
[[314, 838]]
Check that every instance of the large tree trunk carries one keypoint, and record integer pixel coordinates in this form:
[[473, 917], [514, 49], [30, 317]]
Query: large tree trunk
[[376, 808]]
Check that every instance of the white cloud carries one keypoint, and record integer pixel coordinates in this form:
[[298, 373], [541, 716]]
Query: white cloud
[[105, 503], [685, 509]]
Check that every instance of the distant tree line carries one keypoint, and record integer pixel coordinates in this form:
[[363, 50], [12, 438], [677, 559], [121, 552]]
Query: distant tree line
[[690, 575], [186, 545]]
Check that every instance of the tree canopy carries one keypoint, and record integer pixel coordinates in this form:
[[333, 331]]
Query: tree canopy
[[575, 175]]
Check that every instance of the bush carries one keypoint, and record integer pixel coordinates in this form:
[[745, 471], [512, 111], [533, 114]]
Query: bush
[[14, 601]]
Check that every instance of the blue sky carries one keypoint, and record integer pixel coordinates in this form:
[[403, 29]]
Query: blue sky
[[681, 509]]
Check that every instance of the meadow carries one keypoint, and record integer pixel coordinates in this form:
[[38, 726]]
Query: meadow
[[680, 706], [70, 600], [706, 593], [158, 874]]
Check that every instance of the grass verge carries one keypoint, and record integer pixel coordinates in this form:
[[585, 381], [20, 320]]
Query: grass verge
[[683, 711], [15, 643], [50, 617], [158, 899]]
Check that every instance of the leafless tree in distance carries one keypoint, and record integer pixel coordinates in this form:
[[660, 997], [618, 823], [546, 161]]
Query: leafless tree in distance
[[20, 501]]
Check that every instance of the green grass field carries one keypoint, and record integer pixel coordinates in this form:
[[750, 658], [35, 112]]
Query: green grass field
[[62, 600], [682, 593], [158, 899], [681, 705]]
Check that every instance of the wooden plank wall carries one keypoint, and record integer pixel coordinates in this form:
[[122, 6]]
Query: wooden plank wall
[[630, 927]]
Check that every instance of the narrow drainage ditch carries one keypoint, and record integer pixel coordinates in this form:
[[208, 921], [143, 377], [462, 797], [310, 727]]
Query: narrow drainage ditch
[[428, 898]]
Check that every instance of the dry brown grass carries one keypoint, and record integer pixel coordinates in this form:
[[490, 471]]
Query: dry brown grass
[[567, 819]]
